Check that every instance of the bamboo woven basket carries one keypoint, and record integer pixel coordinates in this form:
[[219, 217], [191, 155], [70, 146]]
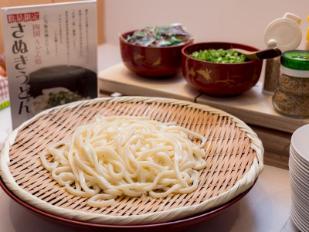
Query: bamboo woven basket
[[234, 160]]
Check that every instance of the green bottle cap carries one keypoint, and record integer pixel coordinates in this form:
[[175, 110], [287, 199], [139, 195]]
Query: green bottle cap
[[295, 59]]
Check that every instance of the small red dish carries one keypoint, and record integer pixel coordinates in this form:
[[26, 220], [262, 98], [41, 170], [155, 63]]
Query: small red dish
[[220, 79], [151, 61]]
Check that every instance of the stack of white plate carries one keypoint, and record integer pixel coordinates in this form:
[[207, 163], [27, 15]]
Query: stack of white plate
[[299, 177]]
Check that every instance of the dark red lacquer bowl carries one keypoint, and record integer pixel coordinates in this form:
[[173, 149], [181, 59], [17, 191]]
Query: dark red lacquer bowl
[[151, 61], [219, 79]]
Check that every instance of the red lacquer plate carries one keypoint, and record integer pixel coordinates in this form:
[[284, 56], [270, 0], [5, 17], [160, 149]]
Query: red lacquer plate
[[234, 157], [173, 226]]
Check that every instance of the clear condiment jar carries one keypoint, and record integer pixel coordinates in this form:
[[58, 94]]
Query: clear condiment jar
[[292, 95]]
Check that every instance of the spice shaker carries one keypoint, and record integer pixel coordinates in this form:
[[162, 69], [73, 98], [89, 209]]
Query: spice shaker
[[272, 71], [292, 95], [285, 34]]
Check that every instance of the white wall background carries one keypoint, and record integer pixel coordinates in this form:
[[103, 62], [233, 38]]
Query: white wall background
[[241, 21]]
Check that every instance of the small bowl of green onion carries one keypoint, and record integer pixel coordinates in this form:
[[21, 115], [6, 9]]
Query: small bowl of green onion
[[217, 70]]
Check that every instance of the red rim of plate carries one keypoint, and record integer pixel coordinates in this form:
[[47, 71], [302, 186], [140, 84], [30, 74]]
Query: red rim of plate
[[195, 219]]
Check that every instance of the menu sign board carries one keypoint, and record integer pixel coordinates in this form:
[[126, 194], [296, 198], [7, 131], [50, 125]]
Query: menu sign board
[[51, 55]]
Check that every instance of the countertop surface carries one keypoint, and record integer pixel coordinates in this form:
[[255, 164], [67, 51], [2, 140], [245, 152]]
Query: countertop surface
[[265, 208]]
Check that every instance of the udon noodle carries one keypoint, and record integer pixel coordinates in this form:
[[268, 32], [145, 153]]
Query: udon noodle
[[126, 156]]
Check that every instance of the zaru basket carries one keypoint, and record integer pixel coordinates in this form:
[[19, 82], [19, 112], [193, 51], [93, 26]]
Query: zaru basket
[[234, 161]]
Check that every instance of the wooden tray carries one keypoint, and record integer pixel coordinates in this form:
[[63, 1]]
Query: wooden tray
[[254, 107], [234, 157]]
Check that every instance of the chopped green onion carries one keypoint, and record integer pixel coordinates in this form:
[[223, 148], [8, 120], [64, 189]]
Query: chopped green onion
[[219, 56]]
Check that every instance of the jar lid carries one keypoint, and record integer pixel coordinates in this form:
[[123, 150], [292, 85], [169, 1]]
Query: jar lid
[[296, 59], [284, 33]]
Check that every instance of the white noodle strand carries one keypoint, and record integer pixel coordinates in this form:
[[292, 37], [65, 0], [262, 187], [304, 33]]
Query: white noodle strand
[[129, 156]]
